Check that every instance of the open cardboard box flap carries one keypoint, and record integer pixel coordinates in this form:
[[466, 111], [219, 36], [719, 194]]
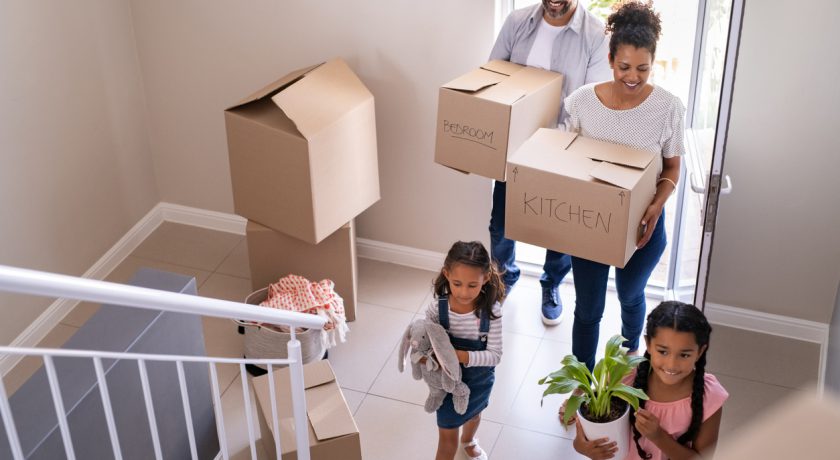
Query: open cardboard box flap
[[620, 176], [327, 411], [613, 153], [504, 94], [275, 86], [616, 164], [487, 75], [315, 101], [503, 67], [474, 81]]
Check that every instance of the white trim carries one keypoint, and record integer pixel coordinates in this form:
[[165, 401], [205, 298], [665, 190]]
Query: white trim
[[400, 255], [213, 220], [778, 325], [767, 323], [55, 313]]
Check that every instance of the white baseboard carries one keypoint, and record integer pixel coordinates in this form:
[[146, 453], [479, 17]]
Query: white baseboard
[[213, 220], [782, 326], [400, 255], [35, 332], [767, 323]]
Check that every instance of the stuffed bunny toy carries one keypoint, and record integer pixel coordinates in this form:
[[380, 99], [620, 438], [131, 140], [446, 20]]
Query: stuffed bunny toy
[[442, 373]]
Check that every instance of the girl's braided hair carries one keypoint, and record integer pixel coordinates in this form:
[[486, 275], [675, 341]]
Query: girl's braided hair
[[681, 317]]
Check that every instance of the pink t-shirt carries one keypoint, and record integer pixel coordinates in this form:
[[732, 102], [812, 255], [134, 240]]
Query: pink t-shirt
[[675, 416]]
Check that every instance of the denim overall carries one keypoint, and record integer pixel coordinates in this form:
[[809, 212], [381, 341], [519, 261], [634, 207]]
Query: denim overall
[[479, 379]]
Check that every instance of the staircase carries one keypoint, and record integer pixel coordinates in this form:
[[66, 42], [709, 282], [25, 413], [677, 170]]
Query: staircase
[[134, 381]]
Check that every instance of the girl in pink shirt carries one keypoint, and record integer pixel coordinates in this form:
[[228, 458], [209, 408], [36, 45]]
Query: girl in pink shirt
[[682, 417]]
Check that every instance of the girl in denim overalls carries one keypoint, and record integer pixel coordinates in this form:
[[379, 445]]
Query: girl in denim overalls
[[468, 296]]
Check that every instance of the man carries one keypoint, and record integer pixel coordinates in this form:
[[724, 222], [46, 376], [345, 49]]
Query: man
[[564, 37]]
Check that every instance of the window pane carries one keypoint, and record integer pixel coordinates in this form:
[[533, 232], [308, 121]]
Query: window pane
[[712, 59]]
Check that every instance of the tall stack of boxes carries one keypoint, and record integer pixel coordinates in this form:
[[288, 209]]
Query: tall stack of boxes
[[303, 164], [568, 193]]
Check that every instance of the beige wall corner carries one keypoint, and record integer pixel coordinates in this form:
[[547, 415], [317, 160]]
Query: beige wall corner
[[77, 172], [199, 58]]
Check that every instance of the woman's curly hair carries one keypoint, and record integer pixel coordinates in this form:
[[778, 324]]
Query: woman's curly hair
[[634, 23]]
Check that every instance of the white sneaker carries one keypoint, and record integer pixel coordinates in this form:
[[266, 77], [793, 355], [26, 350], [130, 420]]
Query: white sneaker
[[474, 443]]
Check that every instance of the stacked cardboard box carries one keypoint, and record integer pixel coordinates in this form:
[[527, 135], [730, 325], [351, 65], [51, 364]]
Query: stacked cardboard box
[[303, 164], [271, 253]]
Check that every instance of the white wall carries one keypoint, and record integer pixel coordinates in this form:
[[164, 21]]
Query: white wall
[[777, 242], [199, 57], [76, 172]]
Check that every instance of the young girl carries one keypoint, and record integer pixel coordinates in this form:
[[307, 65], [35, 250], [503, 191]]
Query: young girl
[[468, 296], [682, 417]]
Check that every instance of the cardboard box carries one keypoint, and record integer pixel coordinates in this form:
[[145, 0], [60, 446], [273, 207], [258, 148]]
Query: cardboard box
[[302, 152], [332, 431], [273, 255], [579, 196], [488, 113]]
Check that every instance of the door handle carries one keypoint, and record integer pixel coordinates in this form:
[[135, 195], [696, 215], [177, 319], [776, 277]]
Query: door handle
[[697, 188], [726, 189]]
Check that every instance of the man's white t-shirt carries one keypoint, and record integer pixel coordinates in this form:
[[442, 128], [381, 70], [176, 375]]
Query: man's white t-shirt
[[540, 55]]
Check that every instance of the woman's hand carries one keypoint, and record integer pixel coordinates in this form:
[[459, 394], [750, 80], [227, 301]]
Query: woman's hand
[[665, 187], [648, 224], [598, 449], [648, 426]]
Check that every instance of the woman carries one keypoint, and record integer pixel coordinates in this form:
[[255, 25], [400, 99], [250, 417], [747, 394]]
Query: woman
[[627, 110]]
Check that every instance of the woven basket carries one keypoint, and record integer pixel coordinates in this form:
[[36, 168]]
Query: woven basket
[[266, 343]]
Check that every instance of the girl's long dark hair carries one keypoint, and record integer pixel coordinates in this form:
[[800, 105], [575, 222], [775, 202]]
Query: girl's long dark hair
[[681, 317], [473, 254]]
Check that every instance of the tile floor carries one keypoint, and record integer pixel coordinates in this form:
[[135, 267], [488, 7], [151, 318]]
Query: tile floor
[[388, 405]]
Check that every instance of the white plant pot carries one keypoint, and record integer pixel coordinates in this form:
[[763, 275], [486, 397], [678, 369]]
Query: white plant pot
[[618, 430]]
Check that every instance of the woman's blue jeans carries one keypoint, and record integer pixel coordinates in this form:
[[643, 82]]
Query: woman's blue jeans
[[630, 281]]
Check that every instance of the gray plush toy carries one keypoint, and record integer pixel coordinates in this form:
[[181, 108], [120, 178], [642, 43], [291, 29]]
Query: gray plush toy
[[442, 373]]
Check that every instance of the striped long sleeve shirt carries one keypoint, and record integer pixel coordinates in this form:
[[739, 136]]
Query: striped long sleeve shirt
[[466, 326]]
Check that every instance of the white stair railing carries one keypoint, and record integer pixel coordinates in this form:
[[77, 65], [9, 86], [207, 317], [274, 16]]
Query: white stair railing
[[45, 284]]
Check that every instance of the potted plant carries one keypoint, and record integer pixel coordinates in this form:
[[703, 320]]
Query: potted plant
[[600, 398]]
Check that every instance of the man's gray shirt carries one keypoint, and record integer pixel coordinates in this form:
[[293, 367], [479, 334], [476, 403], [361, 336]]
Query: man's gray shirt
[[580, 51]]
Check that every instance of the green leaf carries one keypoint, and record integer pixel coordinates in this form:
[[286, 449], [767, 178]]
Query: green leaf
[[577, 369], [614, 345], [626, 389], [632, 400], [564, 387], [634, 361], [617, 373], [598, 374], [572, 405]]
